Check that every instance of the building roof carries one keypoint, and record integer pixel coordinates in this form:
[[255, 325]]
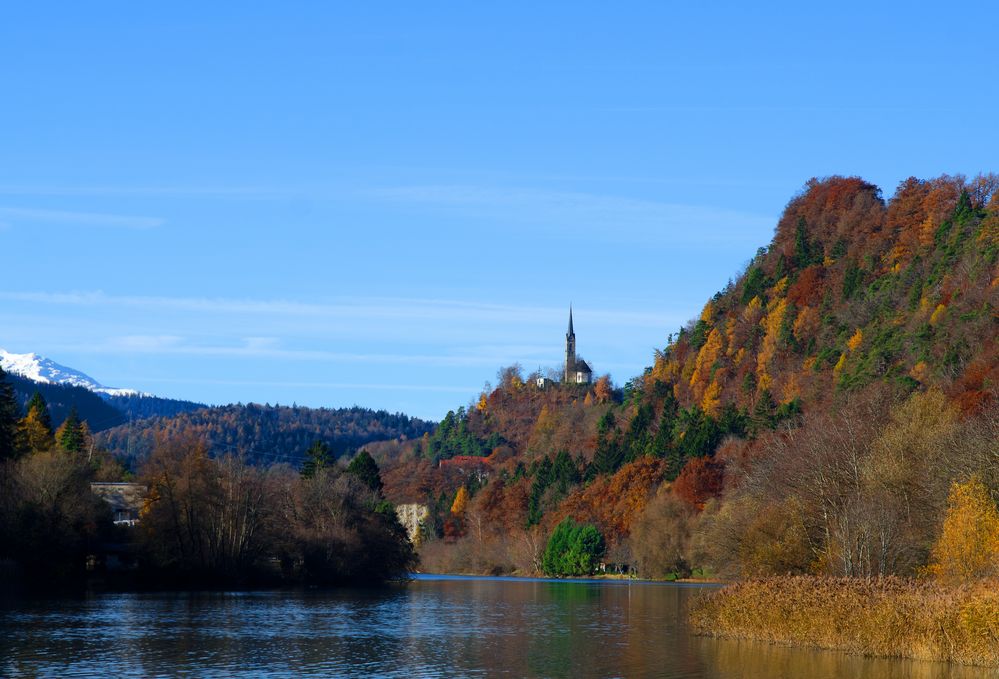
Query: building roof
[[459, 460], [582, 366]]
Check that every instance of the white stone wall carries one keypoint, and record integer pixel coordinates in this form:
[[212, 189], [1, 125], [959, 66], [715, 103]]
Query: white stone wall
[[412, 516]]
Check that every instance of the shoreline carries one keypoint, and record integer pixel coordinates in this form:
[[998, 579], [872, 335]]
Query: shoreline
[[617, 579], [888, 617]]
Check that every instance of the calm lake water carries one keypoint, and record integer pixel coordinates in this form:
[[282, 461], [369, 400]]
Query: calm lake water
[[432, 627]]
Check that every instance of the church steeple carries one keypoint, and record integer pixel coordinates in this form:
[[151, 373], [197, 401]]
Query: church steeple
[[570, 352]]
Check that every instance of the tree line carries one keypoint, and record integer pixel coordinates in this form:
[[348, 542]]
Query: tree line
[[204, 521]]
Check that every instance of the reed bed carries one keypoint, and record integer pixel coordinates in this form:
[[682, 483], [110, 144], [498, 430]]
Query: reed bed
[[887, 617]]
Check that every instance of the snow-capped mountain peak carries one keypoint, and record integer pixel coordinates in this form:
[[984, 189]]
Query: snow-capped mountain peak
[[46, 371]]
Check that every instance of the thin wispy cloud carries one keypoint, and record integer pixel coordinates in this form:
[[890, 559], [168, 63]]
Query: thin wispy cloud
[[252, 347], [375, 386], [614, 217], [14, 215], [152, 191], [370, 308]]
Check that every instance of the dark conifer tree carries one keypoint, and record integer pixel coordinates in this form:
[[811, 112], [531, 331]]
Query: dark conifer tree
[[72, 438], [9, 415], [316, 457], [38, 406], [366, 469]]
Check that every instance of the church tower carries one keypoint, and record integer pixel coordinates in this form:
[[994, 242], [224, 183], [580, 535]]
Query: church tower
[[570, 352]]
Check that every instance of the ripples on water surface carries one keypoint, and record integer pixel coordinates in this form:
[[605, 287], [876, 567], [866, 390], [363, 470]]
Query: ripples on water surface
[[432, 627]]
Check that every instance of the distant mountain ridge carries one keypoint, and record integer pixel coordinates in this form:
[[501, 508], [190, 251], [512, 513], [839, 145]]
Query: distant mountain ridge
[[63, 388], [46, 371], [127, 422]]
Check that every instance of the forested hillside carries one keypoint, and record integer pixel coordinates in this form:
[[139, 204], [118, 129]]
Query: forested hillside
[[61, 398], [264, 434], [100, 411], [137, 406], [852, 366]]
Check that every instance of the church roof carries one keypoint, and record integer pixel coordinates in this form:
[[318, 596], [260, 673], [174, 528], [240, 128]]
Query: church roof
[[582, 366]]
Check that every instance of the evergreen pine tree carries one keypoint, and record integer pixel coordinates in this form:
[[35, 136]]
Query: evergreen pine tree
[[764, 413], [366, 469], [9, 415], [663, 440], [316, 457], [805, 253], [72, 436]]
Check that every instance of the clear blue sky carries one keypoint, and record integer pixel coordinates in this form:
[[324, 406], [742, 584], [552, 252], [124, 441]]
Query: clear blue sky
[[383, 203]]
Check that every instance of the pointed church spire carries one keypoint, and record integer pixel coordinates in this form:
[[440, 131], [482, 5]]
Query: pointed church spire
[[570, 352]]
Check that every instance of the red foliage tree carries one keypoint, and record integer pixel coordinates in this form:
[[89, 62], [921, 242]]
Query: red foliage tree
[[700, 480]]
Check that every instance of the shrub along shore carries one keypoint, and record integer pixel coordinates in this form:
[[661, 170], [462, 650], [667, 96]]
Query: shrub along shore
[[887, 617]]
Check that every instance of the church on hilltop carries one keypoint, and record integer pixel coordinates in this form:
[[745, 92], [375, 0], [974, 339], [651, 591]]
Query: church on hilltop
[[577, 371]]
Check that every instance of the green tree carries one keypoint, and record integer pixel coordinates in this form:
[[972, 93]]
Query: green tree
[[38, 405], [72, 434], [697, 433], [366, 469], [638, 439], [805, 253], [543, 477], [756, 281], [852, 279], [9, 415], [564, 472], [609, 455], [573, 549], [317, 457]]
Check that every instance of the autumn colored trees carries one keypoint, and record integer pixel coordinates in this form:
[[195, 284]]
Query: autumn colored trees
[[205, 521], [221, 520], [810, 420], [968, 546]]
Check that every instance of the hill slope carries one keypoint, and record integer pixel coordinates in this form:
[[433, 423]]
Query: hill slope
[[263, 433], [861, 316]]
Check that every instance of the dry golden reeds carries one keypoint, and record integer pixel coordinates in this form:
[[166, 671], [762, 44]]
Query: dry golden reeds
[[887, 617]]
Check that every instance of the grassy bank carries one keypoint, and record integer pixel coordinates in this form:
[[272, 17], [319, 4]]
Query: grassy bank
[[888, 617]]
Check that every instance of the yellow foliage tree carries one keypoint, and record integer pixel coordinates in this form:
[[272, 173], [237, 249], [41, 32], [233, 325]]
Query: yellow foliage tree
[[707, 312], [603, 389], [711, 403], [483, 402], [806, 324], [706, 358], [838, 368], [460, 503], [968, 547], [771, 326], [753, 310], [937, 314], [34, 432], [855, 340], [730, 326]]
